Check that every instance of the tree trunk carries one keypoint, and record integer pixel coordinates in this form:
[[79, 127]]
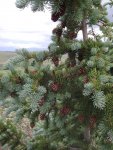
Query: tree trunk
[[0, 147], [71, 148], [84, 29], [87, 134]]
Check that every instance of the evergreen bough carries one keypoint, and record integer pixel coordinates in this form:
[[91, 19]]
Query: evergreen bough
[[66, 92]]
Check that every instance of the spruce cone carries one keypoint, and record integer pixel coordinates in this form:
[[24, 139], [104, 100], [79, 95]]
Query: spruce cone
[[65, 111], [41, 102], [72, 35], [63, 24], [55, 16], [57, 31], [42, 116], [32, 125], [54, 87], [55, 60]]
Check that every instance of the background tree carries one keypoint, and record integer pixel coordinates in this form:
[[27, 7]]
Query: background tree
[[68, 101]]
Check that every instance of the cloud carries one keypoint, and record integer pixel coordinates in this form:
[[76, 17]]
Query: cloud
[[23, 28]]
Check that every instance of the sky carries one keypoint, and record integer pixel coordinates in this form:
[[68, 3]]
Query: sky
[[25, 29]]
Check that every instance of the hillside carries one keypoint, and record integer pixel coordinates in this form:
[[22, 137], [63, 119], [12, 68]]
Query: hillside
[[5, 55]]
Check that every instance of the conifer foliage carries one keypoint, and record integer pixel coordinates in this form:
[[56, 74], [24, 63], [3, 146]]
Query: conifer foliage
[[66, 92]]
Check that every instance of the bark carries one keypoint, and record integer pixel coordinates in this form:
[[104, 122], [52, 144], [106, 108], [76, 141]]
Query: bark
[[84, 29], [71, 148], [87, 135], [0, 147]]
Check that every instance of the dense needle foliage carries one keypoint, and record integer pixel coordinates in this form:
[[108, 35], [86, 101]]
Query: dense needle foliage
[[66, 92]]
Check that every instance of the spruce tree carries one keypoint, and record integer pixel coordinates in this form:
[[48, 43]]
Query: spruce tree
[[66, 92]]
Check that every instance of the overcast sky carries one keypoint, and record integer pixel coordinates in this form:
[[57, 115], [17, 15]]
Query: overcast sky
[[23, 28]]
